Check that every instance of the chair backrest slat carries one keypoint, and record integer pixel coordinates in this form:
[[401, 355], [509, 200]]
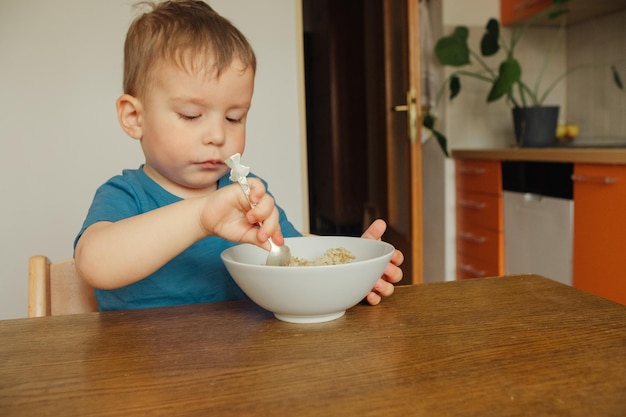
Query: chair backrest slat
[[55, 288]]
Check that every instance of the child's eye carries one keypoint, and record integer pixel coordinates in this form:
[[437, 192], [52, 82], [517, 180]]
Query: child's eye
[[187, 117], [233, 120]]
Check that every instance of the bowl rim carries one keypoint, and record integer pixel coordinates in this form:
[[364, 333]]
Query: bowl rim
[[224, 255]]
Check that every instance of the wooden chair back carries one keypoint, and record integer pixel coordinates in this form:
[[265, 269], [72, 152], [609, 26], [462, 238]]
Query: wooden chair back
[[55, 288]]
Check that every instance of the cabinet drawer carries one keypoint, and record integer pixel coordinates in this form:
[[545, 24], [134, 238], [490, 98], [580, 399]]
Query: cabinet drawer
[[480, 243], [479, 209], [468, 267], [478, 176]]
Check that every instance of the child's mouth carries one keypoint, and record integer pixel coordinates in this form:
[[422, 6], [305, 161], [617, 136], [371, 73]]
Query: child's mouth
[[211, 164]]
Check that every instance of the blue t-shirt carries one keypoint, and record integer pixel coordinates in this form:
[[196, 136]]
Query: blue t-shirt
[[197, 275]]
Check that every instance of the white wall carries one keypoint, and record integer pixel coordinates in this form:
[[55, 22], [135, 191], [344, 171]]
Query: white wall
[[438, 171], [60, 73], [469, 13]]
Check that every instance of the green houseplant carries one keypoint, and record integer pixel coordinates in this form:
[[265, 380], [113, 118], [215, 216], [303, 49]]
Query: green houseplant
[[505, 81]]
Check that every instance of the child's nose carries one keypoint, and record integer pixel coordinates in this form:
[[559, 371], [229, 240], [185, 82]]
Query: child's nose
[[214, 134]]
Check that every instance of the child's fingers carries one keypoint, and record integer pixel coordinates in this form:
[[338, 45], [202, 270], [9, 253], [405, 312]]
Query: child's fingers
[[382, 289], [257, 190], [264, 213], [373, 298], [397, 258], [393, 273], [376, 230]]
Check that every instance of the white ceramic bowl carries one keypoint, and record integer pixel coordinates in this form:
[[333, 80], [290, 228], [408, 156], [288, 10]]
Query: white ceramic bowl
[[309, 294]]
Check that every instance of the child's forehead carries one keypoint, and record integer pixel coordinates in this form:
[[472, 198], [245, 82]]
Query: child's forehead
[[199, 63], [182, 80], [189, 61], [204, 67]]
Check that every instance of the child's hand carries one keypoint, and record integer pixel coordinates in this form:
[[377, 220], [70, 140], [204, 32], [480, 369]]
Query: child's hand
[[393, 274], [228, 214]]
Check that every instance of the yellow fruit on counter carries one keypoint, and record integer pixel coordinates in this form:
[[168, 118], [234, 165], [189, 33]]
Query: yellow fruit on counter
[[571, 131], [561, 130]]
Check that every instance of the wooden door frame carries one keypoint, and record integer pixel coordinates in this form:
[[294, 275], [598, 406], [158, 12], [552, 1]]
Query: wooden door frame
[[413, 75]]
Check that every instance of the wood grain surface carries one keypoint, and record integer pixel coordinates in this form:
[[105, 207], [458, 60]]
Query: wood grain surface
[[504, 346]]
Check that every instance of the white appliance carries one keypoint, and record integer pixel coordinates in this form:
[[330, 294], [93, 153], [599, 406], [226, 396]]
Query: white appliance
[[538, 235]]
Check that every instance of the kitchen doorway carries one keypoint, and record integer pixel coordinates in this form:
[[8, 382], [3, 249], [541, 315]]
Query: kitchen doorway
[[362, 89]]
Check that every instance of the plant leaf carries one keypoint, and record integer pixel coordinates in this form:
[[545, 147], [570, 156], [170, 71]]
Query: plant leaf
[[453, 50], [561, 10], [455, 86], [489, 44], [428, 121], [558, 13], [443, 141], [510, 72], [617, 78]]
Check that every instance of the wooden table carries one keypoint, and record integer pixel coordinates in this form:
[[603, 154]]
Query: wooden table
[[507, 346]]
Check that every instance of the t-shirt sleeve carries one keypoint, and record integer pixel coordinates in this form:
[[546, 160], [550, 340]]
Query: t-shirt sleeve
[[115, 200]]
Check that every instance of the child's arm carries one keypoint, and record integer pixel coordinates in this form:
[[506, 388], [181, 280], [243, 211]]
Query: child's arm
[[114, 254], [393, 274]]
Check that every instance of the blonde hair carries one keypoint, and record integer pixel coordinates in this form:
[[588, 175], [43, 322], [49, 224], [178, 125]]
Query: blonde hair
[[189, 34]]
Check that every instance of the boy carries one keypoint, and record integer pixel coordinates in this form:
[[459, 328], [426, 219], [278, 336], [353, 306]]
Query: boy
[[153, 236]]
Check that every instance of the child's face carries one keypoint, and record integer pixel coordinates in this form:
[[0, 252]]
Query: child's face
[[193, 122]]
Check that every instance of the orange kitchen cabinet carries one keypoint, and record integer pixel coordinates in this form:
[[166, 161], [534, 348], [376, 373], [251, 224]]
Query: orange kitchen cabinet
[[480, 231], [479, 209], [468, 267], [479, 176], [599, 261], [479, 242], [512, 11]]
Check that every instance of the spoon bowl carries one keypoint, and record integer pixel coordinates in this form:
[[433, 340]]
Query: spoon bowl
[[278, 255]]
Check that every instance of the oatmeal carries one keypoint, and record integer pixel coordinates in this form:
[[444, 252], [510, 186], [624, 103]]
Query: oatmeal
[[333, 256]]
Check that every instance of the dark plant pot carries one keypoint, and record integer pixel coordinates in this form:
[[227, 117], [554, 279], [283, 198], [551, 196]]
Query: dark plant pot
[[535, 127]]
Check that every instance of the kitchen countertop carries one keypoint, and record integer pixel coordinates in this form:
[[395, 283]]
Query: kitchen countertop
[[556, 154]]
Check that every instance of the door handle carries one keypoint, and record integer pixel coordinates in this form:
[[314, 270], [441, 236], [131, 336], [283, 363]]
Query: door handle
[[411, 108]]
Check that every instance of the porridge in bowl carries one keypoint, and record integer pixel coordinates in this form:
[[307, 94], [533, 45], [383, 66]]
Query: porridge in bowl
[[333, 256]]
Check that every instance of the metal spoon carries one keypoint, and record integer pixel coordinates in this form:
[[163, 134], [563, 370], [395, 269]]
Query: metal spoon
[[278, 255]]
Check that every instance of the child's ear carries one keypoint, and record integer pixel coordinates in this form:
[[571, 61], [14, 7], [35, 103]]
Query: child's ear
[[129, 114]]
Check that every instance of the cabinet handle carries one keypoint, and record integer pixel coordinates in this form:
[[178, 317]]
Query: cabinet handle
[[478, 273], [472, 170], [472, 204], [594, 178], [470, 237]]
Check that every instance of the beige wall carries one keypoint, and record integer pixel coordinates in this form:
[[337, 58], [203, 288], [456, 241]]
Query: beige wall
[[59, 136], [593, 101]]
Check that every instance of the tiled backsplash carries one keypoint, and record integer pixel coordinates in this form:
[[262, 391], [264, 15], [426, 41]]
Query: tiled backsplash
[[587, 97], [593, 100]]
